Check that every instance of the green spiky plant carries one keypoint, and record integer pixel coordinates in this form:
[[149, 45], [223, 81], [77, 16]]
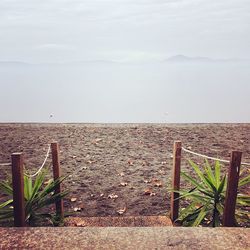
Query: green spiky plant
[[207, 195], [37, 195]]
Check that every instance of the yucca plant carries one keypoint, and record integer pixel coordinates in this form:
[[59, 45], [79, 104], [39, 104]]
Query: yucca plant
[[207, 195], [37, 195]]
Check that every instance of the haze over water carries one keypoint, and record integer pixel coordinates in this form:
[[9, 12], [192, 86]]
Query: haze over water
[[114, 92]]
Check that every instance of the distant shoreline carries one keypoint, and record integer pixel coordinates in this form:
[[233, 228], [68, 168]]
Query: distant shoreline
[[121, 124]]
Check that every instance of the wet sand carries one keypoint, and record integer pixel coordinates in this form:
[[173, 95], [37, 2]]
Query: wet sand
[[112, 165]]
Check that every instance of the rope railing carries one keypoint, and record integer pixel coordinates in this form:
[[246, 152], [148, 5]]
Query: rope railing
[[43, 164], [210, 158], [17, 163], [5, 164], [231, 186]]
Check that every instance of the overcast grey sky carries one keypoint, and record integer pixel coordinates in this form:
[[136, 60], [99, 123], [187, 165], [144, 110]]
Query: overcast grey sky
[[122, 30]]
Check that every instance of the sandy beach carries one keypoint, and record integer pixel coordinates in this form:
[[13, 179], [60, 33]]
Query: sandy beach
[[112, 165]]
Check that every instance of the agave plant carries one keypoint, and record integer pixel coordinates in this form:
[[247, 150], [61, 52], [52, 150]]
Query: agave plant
[[207, 196], [37, 195]]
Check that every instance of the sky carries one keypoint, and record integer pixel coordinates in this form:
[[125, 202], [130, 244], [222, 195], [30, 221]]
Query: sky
[[109, 57], [122, 30]]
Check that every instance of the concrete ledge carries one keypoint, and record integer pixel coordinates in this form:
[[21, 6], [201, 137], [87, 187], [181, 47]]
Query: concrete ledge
[[125, 238]]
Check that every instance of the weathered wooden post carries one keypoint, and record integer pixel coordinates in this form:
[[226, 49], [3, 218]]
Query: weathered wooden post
[[57, 174], [174, 213], [18, 189], [232, 187]]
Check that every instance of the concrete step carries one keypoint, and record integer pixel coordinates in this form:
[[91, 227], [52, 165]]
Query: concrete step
[[125, 238], [128, 221]]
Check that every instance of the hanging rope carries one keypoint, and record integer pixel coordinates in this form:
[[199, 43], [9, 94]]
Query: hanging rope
[[40, 169], [210, 158]]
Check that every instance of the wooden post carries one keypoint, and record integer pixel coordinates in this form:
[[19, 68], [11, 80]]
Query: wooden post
[[18, 189], [57, 174], [174, 213], [232, 187]]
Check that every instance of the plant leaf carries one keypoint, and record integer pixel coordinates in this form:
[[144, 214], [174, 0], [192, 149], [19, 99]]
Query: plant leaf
[[221, 186], [244, 181], [49, 200], [8, 215], [220, 208], [27, 187], [34, 192], [200, 217], [210, 184], [217, 173], [209, 173], [200, 174], [6, 188], [243, 200], [6, 203], [191, 180], [187, 210]]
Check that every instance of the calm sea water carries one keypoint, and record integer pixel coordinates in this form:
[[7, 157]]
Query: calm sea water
[[110, 92]]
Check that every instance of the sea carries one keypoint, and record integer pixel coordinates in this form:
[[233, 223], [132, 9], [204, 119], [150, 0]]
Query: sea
[[111, 92]]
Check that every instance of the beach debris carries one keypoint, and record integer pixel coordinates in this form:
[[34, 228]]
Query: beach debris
[[158, 184], [92, 195], [147, 181], [77, 209], [96, 141], [73, 156], [161, 171], [124, 184], [155, 180], [89, 162], [112, 196], [80, 224], [163, 162], [121, 211], [101, 195], [147, 191], [81, 206], [189, 147], [130, 163], [121, 174], [73, 199]]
